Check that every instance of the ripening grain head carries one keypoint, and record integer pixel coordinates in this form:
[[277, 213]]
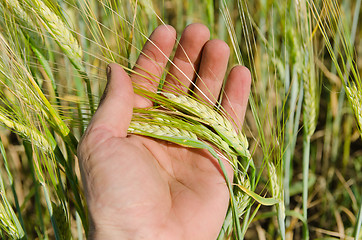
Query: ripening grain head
[[355, 97], [60, 32]]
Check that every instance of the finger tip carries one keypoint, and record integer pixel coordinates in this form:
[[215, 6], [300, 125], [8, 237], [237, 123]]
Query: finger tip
[[245, 72], [241, 73], [165, 32], [114, 67], [198, 31], [218, 48], [114, 70]]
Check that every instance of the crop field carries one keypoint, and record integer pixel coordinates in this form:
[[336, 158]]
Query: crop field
[[297, 158]]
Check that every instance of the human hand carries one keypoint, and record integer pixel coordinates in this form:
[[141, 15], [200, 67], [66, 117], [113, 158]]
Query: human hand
[[142, 188]]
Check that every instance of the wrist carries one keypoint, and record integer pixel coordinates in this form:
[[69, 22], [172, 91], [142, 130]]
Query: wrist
[[99, 231], [107, 235]]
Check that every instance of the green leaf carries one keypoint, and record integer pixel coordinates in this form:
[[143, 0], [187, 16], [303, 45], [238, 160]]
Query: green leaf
[[258, 198]]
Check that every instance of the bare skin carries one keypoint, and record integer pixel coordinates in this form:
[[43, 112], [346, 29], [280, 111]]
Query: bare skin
[[141, 188]]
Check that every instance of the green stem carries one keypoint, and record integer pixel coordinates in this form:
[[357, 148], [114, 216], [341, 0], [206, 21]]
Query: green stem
[[79, 226], [89, 90], [281, 219], [37, 196], [226, 229], [245, 221], [73, 182], [306, 152], [50, 209], [358, 224], [11, 181]]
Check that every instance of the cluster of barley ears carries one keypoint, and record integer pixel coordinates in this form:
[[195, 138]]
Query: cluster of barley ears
[[304, 65]]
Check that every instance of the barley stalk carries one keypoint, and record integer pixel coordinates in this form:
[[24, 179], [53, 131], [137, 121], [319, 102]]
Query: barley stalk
[[310, 106], [62, 221], [242, 202]]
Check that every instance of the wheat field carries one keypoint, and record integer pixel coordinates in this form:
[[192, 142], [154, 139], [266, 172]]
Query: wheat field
[[297, 160]]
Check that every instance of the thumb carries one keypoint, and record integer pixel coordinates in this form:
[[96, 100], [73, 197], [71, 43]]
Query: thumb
[[115, 109]]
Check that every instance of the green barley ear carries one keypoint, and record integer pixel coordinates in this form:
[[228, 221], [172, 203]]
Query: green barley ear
[[27, 91], [307, 67], [20, 13], [221, 125], [33, 135], [9, 223], [146, 128], [24, 21], [355, 97], [194, 127], [59, 31], [198, 111], [6, 224], [241, 197], [276, 185], [65, 39], [310, 106], [311, 99]]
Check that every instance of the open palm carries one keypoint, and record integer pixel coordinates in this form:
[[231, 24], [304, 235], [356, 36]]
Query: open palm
[[141, 188]]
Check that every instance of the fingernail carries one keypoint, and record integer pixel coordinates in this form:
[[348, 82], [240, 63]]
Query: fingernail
[[108, 70]]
